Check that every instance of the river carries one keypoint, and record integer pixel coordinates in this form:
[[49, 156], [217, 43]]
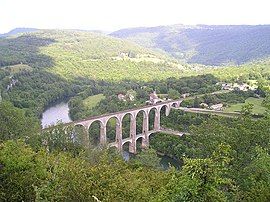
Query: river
[[60, 112], [56, 113]]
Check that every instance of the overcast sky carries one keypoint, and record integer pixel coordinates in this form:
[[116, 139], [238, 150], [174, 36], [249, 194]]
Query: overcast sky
[[110, 15]]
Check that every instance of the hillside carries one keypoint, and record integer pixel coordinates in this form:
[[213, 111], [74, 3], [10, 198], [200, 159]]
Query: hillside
[[42, 67], [208, 45], [73, 54]]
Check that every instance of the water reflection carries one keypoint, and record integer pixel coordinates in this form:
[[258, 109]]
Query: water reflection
[[56, 113]]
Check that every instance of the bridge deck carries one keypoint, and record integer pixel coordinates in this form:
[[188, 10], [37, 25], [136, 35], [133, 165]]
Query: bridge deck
[[127, 111]]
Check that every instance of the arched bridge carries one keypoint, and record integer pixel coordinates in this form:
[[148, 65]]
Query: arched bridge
[[133, 137]]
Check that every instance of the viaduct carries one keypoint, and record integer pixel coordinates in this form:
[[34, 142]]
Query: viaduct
[[133, 137]]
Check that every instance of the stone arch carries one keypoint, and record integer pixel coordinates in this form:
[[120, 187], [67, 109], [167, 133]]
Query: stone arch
[[151, 136], [113, 125], [140, 144], [126, 146], [165, 109], [125, 141], [80, 134], [175, 104], [164, 112], [154, 118], [107, 119], [126, 123], [94, 132], [141, 117]]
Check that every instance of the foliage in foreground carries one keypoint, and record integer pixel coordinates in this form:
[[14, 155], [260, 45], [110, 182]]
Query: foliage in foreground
[[224, 160], [28, 175]]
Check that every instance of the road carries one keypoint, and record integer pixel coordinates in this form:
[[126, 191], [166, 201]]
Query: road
[[208, 111]]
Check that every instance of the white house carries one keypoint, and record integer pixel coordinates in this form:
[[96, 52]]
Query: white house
[[217, 107]]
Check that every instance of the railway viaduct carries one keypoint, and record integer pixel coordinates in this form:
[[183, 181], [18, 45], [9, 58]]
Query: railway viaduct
[[133, 137]]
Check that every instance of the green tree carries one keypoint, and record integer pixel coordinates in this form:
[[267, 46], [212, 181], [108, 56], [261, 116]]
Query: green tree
[[21, 169], [196, 102], [173, 94], [246, 109], [256, 185], [266, 101], [147, 158], [201, 179], [14, 124]]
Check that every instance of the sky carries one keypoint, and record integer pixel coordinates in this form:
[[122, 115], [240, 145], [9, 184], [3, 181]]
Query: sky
[[111, 15]]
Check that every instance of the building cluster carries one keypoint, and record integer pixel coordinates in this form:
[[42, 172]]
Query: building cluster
[[216, 107], [153, 97], [129, 96], [236, 86]]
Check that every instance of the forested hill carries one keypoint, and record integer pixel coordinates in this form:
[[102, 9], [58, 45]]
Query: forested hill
[[209, 45], [41, 67]]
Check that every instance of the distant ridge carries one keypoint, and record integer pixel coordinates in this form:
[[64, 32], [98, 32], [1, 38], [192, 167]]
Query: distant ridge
[[17, 31], [204, 44]]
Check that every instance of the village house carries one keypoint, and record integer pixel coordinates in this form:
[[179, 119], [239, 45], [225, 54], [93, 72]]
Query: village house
[[204, 105], [217, 107], [153, 98], [185, 95], [121, 97], [129, 96], [227, 86], [243, 87]]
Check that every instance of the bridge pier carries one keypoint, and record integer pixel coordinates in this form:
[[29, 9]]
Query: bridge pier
[[103, 138], [132, 145], [86, 138], [145, 140], [119, 138], [157, 120], [145, 143]]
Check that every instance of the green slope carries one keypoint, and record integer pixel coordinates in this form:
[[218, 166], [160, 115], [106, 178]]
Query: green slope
[[257, 106], [74, 54], [50, 65], [209, 45]]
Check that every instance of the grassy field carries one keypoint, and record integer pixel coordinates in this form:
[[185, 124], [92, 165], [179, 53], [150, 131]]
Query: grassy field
[[257, 102], [93, 100]]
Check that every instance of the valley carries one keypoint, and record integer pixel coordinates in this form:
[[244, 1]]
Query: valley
[[49, 75]]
